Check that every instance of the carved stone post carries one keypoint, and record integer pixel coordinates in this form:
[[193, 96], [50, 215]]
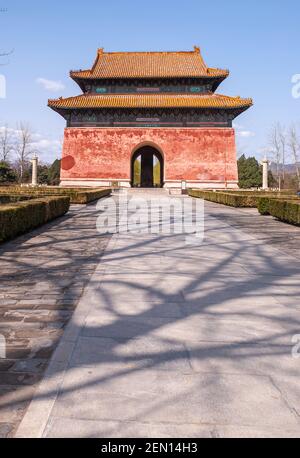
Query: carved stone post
[[265, 164], [34, 162]]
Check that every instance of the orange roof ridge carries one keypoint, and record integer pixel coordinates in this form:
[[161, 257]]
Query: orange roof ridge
[[149, 64], [150, 101], [195, 50]]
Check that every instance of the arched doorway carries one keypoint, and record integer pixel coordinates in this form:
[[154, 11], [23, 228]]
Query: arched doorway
[[147, 168]]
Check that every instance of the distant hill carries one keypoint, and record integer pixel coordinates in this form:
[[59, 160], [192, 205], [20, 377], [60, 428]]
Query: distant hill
[[289, 168]]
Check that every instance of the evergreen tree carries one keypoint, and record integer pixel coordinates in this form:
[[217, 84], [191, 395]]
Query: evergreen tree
[[54, 173], [7, 174], [250, 172], [43, 174]]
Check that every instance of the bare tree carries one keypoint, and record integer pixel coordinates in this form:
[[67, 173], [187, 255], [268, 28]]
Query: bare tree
[[6, 143], [294, 145], [283, 146], [23, 146], [274, 141], [278, 143]]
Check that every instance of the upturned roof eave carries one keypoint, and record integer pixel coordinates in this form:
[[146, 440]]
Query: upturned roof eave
[[77, 77], [245, 104]]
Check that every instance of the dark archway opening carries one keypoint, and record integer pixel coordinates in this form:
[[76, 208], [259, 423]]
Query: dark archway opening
[[147, 168]]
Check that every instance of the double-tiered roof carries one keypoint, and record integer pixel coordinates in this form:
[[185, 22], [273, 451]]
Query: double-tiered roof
[[196, 84]]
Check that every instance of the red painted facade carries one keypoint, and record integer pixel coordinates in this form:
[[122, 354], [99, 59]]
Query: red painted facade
[[203, 157]]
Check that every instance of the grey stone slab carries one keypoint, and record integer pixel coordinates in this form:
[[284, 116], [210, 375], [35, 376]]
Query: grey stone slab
[[234, 288], [13, 402], [77, 428], [262, 359], [30, 365], [122, 328], [141, 352], [243, 307], [201, 398], [289, 386], [245, 432], [195, 328], [115, 309], [135, 290]]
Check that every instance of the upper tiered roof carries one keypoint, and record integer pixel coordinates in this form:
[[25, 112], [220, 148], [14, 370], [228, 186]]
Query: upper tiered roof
[[183, 64]]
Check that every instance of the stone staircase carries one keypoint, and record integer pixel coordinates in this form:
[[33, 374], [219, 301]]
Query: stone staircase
[[149, 191]]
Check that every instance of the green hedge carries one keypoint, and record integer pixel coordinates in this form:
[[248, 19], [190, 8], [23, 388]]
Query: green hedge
[[20, 217], [263, 205], [226, 198], [89, 196], [283, 209], [10, 198], [285, 192], [239, 199], [77, 195]]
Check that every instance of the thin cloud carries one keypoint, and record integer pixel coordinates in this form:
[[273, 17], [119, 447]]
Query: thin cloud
[[50, 85], [245, 133], [241, 131]]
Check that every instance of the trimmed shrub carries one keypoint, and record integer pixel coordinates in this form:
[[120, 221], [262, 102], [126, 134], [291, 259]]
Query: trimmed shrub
[[230, 199], [285, 192], [283, 207], [263, 205], [9, 198], [77, 195], [240, 199], [20, 217], [284, 210]]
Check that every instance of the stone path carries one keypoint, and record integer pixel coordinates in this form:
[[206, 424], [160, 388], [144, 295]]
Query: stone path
[[173, 339], [42, 276]]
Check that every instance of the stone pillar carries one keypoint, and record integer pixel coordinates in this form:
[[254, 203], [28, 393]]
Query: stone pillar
[[265, 164], [34, 162]]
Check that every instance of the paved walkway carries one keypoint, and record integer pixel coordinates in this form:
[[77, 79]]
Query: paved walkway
[[173, 339], [42, 277]]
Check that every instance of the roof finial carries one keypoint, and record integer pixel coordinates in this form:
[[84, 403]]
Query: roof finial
[[100, 50], [197, 49]]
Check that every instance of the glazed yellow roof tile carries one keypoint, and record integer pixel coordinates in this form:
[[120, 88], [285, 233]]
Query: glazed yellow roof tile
[[150, 101], [182, 64]]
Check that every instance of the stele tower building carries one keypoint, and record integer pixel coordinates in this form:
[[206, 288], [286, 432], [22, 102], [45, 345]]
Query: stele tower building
[[149, 119]]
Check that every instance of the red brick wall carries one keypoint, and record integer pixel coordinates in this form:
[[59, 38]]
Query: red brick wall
[[189, 154]]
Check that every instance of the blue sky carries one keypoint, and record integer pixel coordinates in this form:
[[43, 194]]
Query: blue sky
[[257, 40]]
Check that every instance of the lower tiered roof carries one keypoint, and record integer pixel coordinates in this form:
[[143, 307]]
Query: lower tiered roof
[[210, 100]]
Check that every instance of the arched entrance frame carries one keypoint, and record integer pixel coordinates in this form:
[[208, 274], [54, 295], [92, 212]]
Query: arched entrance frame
[[157, 151]]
